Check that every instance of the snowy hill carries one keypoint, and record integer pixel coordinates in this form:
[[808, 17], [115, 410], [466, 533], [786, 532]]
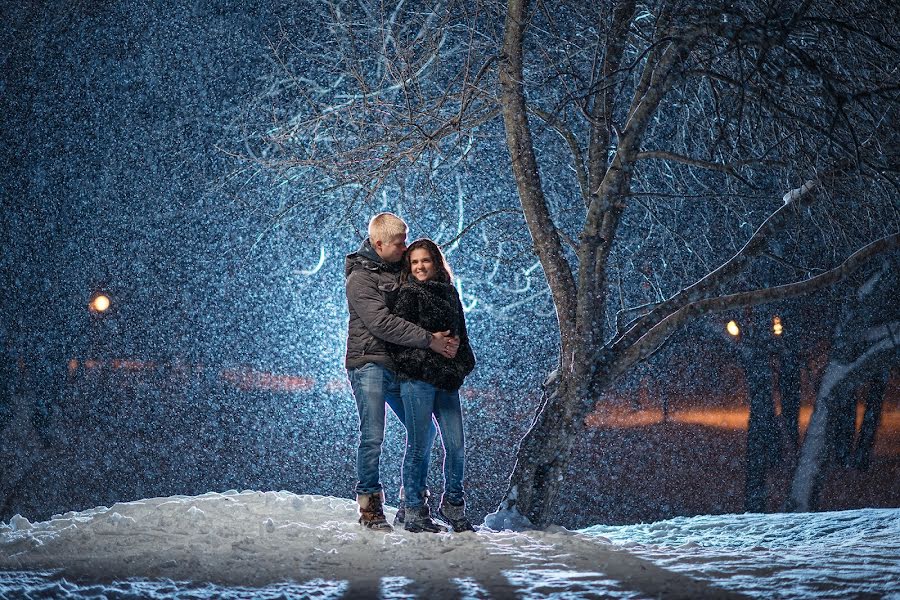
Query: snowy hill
[[278, 544]]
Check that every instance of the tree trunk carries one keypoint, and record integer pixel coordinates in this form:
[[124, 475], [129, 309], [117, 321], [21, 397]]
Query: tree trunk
[[814, 453], [543, 456], [871, 418], [843, 422], [761, 431], [789, 383], [867, 332]]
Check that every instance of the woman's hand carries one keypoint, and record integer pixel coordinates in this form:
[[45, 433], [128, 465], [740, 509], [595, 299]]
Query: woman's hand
[[444, 344]]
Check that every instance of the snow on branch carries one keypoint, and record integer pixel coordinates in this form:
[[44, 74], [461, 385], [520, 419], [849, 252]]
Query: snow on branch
[[798, 193]]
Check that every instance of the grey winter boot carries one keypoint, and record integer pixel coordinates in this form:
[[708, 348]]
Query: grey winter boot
[[419, 520], [455, 515], [401, 506], [371, 512]]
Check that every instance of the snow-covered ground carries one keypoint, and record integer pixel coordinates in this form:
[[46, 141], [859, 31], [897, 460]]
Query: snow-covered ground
[[282, 545]]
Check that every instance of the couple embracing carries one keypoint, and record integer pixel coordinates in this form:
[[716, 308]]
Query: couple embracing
[[407, 347]]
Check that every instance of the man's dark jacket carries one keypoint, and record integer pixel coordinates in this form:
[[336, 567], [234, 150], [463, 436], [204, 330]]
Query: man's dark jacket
[[372, 286], [436, 307]]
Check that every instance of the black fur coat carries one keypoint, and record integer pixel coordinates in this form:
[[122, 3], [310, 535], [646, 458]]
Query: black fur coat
[[434, 306]]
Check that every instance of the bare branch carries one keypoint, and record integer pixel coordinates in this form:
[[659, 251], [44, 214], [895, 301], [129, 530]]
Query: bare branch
[[655, 336], [601, 123], [478, 220], [727, 168], [577, 157], [537, 215], [727, 271]]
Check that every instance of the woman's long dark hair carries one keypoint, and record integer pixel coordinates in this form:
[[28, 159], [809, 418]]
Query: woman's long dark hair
[[442, 270]]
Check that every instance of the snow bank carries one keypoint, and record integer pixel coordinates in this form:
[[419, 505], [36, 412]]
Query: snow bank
[[845, 554], [276, 544]]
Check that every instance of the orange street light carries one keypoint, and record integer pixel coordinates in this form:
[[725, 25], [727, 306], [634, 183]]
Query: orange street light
[[732, 328], [99, 303], [777, 327]]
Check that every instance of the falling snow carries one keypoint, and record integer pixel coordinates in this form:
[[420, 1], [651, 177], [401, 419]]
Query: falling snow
[[217, 363]]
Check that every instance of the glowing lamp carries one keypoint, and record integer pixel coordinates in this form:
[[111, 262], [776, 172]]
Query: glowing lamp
[[733, 329], [100, 303], [777, 327]]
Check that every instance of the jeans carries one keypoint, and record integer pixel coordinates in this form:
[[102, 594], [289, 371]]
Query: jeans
[[420, 401], [372, 386]]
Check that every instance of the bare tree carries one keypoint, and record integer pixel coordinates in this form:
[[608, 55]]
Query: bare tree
[[866, 345], [671, 159]]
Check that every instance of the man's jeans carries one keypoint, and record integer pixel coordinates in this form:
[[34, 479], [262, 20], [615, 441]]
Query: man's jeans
[[420, 401], [372, 386]]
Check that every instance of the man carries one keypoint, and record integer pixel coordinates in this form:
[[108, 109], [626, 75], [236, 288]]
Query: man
[[372, 280]]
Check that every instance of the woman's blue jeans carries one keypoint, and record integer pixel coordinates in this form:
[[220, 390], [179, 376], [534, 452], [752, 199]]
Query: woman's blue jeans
[[420, 401], [374, 385]]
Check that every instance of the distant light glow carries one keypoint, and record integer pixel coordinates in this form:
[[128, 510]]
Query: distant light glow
[[777, 328], [250, 379], [733, 329], [100, 303]]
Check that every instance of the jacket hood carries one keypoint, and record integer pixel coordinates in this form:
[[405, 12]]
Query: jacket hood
[[367, 258]]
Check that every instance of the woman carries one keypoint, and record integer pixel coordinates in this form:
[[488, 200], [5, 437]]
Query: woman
[[429, 385]]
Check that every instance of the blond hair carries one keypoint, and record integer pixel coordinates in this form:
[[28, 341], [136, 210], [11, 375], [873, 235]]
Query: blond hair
[[385, 226]]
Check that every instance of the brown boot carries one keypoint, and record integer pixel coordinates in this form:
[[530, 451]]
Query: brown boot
[[371, 512]]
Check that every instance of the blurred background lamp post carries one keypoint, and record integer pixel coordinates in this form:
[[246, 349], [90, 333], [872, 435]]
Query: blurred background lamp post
[[732, 328], [99, 303], [99, 307], [777, 328]]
